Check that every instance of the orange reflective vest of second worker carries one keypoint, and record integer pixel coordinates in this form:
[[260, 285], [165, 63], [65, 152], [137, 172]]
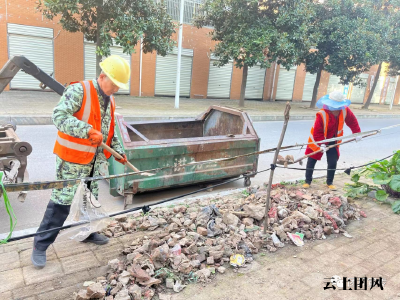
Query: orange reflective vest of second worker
[[325, 118], [81, 151]]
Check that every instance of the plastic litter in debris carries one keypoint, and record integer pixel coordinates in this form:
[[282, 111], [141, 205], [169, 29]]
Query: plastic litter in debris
[[176, 250], [346, 234], [247, 251], [237, 260], [178, 286], [273, 213], [296, 239], [276, 241], [87, 283], [254, 228], [85, 208], [301, 235]]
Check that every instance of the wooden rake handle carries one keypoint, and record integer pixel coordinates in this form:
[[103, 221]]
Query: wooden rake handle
[[117, 155]]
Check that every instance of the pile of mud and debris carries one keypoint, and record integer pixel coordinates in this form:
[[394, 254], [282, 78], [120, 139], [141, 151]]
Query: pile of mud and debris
[[195, 241]]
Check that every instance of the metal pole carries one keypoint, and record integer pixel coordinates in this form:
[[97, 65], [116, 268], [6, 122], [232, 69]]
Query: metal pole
[[394, 93], [271, 173], [178, 67], [140, 67]]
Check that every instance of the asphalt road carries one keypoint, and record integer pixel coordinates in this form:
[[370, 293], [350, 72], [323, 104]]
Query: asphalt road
[[41, 165]]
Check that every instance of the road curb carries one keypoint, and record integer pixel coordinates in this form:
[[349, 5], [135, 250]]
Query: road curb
[[299, 118], [46, 119]]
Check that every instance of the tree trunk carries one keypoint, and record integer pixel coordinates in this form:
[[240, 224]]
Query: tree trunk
[[372, 90], [243, 86], [316, 87], [98, 39]]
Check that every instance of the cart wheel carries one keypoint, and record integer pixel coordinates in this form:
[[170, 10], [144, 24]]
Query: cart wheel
[[247, 181]]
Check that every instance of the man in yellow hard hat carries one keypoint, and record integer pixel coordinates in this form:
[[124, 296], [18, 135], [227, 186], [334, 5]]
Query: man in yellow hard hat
[[84, 118]]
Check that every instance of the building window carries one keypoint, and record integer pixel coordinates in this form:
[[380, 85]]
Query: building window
[[191, 9]]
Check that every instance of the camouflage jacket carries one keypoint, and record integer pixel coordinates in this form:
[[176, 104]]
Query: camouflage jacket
[[64, 120], [70, 103]]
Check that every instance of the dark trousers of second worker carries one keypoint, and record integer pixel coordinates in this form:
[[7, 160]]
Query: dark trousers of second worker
[[332, 158]]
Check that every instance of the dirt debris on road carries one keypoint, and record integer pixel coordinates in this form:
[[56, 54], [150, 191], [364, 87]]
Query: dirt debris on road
[[194, 242]]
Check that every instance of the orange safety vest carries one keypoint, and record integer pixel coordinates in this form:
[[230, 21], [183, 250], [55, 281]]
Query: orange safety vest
[[81, 151], [325, 118]]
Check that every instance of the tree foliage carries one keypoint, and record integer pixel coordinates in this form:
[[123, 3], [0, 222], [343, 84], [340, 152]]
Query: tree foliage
[[388, 13], [257, 32], [125, 21], [350, 41]]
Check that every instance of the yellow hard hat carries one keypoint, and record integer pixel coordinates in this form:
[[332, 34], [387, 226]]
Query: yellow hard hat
[[117, 69]]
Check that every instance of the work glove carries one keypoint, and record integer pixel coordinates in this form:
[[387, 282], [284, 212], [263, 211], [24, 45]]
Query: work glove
[[323, 148], [95, 137], [358, 138], [123, 160]]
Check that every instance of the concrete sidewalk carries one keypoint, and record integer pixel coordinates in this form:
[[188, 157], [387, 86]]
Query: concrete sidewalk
[[35, 108]]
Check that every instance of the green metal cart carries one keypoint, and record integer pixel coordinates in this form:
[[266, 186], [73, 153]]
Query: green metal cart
[[220, 132]]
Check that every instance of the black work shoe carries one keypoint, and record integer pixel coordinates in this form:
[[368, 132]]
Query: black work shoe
[[38, 258], [96, 238]]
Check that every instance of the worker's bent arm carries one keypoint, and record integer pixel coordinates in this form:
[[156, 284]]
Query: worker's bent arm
[[70, 103]]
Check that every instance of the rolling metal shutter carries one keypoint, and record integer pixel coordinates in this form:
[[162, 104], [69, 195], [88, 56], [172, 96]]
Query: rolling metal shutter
[[391, 90], [219, 81], [284, 90], [255, 83], [358, 92], [36, 44], [166, 67], [90, 61], [309, 83], [378, 90], [334, 84]]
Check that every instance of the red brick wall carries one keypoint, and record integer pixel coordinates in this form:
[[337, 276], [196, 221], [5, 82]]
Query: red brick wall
[[200, 42], [323, 84], [68, 56], [299, 83], [68, 47], [135, 71], [148, 74], [236, 83], [193, 38]]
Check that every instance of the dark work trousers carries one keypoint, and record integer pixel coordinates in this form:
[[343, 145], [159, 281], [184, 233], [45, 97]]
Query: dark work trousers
[[332, 158], [54, 217]]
